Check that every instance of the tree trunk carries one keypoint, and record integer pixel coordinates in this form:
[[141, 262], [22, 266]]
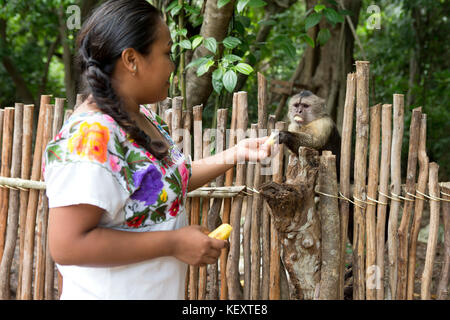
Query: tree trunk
[[298, 225], [23, 93], [323, 69], [273, 8], [215, 24]]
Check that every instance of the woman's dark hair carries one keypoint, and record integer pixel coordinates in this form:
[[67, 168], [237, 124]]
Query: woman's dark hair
[[113, 27]]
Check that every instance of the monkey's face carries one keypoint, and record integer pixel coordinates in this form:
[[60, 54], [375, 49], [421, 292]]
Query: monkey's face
[[304, 108]]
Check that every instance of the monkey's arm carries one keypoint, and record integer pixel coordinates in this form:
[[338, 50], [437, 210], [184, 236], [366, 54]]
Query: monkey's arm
[[294, 140], [314, 135]]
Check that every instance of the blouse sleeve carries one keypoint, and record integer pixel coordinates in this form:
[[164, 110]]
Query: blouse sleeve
[[83, 163]]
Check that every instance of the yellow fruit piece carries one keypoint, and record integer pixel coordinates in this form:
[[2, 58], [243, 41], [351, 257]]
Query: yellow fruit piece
[[271, 139], [222, 232], [298, 118]]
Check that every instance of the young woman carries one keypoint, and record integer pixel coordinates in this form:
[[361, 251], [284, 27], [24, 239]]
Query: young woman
[[116, 182]]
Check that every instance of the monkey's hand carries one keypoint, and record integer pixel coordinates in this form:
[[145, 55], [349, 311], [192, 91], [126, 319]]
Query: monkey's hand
[[294, 140]]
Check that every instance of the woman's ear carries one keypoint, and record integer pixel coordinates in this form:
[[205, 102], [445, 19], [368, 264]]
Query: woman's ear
[[130, 60]]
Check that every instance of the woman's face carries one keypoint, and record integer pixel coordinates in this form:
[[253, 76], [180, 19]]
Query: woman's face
[[154, 70]]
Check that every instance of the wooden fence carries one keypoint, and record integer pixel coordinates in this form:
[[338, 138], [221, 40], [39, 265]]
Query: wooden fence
[[252, 268]]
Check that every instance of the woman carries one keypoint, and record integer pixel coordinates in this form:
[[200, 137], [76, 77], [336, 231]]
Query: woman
[[116, 182]]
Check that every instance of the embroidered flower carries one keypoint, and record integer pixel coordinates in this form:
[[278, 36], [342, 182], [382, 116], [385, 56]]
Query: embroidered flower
[[184, 172], [163, 196], [136, 221], [114, 163], [148, 183], [173, 210], [90, 141]]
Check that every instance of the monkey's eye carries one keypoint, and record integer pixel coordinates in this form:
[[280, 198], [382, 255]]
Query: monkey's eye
[[304, 105]]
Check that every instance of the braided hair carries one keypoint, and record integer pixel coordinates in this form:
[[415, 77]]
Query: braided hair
[[113, 27]]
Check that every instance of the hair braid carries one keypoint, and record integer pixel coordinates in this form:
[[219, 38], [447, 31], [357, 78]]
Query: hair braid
[[98, 78]]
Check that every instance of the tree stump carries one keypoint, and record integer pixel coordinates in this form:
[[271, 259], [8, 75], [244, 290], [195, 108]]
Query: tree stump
[[294, 215]]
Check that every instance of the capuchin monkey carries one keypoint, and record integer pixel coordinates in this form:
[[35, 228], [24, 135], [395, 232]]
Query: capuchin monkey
[[311, 126]]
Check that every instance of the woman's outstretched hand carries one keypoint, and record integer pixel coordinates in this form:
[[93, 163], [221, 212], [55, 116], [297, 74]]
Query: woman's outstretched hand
[[254, 149]]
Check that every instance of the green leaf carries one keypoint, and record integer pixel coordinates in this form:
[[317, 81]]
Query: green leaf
[[171, 6], [54, 153], [175, 10], [288, 48], [313, 19], [256, 3], [199, 61], [229, 80], [308, 40], [323, 36], [231, 42], [186, 44], [222, 3], [182, 32], [241, 5], [210, 44], [196, 41], [204, 68], [231, 58], [332, 16], [217, 80], [319, 7], [244, 68]]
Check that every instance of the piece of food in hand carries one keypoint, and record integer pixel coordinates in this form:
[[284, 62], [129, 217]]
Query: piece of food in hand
[[271, 139], [222, 232]]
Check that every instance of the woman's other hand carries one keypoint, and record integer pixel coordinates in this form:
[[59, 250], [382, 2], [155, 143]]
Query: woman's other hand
[[194, 247]]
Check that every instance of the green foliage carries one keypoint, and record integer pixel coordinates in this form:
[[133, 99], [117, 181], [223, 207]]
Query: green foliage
[[389, 51]]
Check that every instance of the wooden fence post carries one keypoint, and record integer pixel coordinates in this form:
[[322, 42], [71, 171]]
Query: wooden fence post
[[359, 193], [265, 224], [372, 270], [5, 171], [227, 203], [250, 225], [433, 189], [345, 165], [27, 138], [442, 290], [418, 207], [27, 275], [330, 227], [234, 285], [386, 138], [396, 181], [13, 208], [410, 188], [195, 203], [275, 262]]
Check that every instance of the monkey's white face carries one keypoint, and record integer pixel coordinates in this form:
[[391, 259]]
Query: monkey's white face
[[303, 110]]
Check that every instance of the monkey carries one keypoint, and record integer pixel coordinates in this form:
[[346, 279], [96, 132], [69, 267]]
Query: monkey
[[311, 126]]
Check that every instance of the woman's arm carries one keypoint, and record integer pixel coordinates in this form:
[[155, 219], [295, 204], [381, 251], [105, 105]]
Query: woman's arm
[[205, 170], [75, 239]]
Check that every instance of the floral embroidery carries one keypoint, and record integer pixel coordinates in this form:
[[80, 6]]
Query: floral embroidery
[[173, 210], [149, 184], [156, 189], [90, 141]]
